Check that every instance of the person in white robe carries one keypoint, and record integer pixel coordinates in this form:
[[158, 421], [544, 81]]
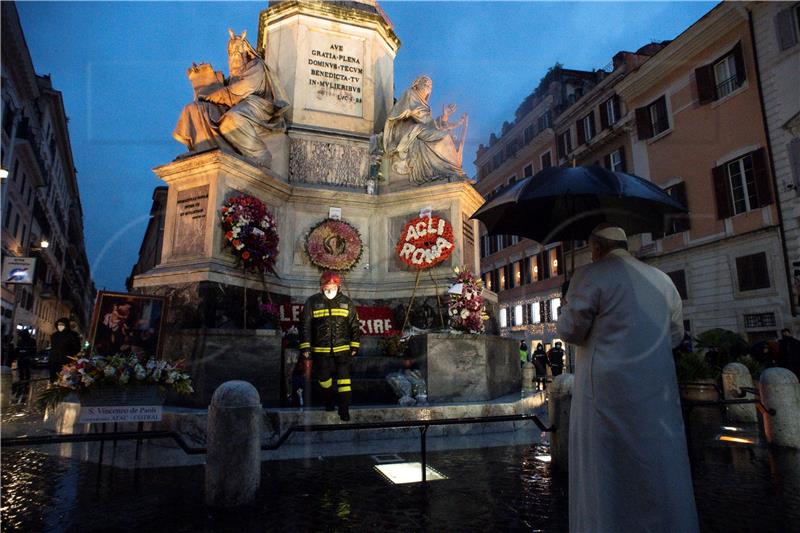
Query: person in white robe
[[628, 461]]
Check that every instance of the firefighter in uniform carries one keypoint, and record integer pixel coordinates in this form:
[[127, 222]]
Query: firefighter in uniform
[[331, 332]]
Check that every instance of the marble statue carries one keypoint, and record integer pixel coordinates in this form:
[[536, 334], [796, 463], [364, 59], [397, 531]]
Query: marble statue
[[419, 146], [237, 114]]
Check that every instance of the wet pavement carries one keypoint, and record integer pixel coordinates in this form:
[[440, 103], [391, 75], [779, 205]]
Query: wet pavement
[[738, 487]]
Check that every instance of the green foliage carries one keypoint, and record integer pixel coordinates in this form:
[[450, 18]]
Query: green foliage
[[726, 342], [692, 366]]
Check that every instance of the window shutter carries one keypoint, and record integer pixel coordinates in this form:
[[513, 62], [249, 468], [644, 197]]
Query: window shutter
[[560, 147], [603, 116], [542, 311], [762, 178], [592, 125], [560, 259], [722, 192], [706, 88], [663, 118], [526, 270], [643, 127], [683, 223], [617, 113], [741, 72], [581, 136], [622, 158], [607, 161], [544, 266], [540, 272], [794, 160], [785, 28]]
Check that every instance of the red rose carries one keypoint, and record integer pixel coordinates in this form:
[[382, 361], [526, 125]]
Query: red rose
[[245, 255]]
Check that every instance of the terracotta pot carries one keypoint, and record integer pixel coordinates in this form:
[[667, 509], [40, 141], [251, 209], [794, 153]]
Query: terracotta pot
[[702, 389]]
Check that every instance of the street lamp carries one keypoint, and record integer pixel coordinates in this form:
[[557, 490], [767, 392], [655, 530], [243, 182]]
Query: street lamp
[[44, 244]]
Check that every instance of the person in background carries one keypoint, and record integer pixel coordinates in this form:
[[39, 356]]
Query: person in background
[[540, 363], [628, 459], [555, 358], [523, 353], [789, 348], [25, 352], [7, 350], [64, 343]]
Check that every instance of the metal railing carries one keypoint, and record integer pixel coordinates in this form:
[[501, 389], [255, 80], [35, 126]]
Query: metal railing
[[423, 426]]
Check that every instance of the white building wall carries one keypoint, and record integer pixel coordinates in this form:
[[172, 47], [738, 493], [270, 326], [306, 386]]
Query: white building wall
[[780, 78]]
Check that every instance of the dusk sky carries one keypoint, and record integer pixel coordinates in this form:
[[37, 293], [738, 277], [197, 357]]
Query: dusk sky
[[122, 70]]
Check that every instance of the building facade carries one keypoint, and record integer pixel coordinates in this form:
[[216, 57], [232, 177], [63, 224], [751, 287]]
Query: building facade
[[686, 114], [775, 28], [41, 209], [527, 277]]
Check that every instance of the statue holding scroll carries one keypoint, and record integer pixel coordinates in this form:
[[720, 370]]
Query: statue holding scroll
[[237, 114], [417, 145]]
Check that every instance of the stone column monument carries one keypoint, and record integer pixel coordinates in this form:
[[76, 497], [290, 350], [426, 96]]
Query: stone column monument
[[300, 123]]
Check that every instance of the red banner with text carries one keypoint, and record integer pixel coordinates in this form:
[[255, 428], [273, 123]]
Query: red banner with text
[[375, 320]]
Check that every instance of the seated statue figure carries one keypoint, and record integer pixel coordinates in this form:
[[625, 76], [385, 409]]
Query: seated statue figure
[[417, 145], [237, 114]]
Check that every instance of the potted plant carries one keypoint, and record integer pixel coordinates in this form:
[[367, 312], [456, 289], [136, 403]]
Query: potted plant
[[697, 379], [117, 380]]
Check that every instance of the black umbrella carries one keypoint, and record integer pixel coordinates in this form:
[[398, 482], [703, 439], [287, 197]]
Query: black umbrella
[[560, 204]]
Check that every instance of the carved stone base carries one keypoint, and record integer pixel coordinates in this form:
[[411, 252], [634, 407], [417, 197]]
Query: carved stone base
[[328, 161]]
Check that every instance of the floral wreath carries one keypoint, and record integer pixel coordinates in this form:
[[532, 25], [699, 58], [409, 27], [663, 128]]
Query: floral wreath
[[425, 242], [466, 302], [334, 245], [251, 232]]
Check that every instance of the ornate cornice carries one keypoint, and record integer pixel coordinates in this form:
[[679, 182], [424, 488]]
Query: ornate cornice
[[695, 39], [362, 14]]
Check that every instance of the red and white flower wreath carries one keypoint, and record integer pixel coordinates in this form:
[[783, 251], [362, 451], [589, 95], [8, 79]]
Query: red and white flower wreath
[[425, 242]]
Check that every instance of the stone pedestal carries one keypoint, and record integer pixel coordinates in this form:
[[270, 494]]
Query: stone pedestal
[[233, 459], [215, 356], [194, 249], [558, 411], [467, 367], [734, 377], [780, 391]]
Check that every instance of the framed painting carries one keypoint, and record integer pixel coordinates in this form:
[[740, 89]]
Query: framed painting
[[125, 323]]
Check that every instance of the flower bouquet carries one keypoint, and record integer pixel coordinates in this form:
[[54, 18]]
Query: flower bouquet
[[87, 374], [251, 232], [334, 245], [466, 302]]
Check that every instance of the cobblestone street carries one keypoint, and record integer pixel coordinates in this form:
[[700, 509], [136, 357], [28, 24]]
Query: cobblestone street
[[738, 488]]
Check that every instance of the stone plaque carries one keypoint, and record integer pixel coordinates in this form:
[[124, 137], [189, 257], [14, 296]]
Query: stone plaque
[[334, 67], [190, 226], [329, 163]]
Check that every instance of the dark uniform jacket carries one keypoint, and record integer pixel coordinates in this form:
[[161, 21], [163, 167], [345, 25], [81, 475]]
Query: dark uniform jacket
[[330, 327]]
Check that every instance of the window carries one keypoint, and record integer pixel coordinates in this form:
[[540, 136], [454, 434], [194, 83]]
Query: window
[[536, 270], [516, 270], [503, 317], [497, 160], [615, 161], [484, 246], [528, 134], [585, 128], [652, 119], [759, 320], [564, 144], [536, 316], [721, 77], [555, 263], [678, 223], [742, 184], [555, 303], [609, 112], [752, 271], [545, 121], [787, 26], [725, 76], [545, 159], [678, 277], [527, 171], [518, 315]]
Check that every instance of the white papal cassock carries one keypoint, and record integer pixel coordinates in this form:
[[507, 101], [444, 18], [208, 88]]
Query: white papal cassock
[[628, 462]]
